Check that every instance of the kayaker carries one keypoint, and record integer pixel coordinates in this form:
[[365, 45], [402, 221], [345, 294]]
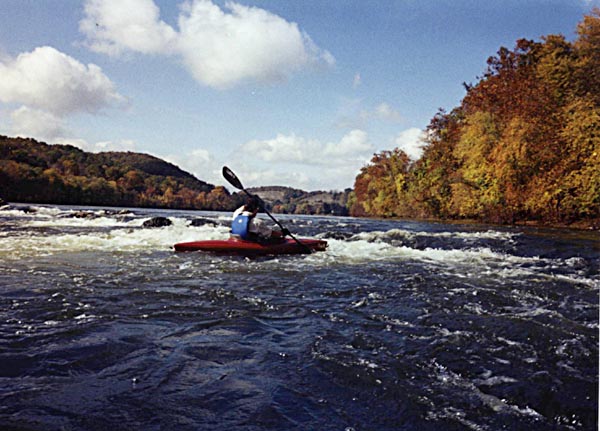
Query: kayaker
[[247, 226]]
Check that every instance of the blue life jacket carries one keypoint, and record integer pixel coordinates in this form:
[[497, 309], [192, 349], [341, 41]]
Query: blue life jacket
[[239, 226]]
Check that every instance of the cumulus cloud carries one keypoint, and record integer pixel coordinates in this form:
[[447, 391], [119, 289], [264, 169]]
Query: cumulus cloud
[[115, 26], [50, 85], [273, 176], [354, 144], [411, 142], [54, 82], [27, 122], [284, 148], [291, 148], [219, 47], [304, 163], [199, 162]]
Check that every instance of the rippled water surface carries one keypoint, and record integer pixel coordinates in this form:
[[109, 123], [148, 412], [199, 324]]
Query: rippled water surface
[[398, 326]]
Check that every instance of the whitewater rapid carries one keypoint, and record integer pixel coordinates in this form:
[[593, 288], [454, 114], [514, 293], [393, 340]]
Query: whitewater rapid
[[398, 325], [42, 231]]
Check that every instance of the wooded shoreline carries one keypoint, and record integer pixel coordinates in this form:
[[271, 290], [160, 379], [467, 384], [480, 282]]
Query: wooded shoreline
[[584, 225], [523, 147]]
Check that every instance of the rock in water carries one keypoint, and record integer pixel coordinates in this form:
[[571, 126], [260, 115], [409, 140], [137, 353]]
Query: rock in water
[[157, 222], [201, 222]]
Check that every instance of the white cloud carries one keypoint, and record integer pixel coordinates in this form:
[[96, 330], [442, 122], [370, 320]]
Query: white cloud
[[303, 163], [291, 148], [357, 81], [310, 178], [354, 144], [411, 142], [253, 176], [49, 80], [311, 164], [282, 148], [50, 86], [200, 163], [254, 172], [27, 122], [115, 26], [219, 47]]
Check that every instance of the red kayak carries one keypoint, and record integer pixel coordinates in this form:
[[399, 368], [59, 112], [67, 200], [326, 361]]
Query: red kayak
[[250, 248]]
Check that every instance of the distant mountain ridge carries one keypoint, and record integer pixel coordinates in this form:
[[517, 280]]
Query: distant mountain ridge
[[287, 200]]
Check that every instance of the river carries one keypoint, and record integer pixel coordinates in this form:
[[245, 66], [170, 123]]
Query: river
[[399, 325]]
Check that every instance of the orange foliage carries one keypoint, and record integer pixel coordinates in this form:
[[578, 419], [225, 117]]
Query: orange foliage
[[523, 145]]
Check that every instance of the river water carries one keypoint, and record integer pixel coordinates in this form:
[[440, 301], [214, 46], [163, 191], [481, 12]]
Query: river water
[[398, 326]]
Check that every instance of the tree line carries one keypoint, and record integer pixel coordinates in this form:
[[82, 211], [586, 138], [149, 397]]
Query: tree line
[[32, 171], [524, 144], [287, 200]]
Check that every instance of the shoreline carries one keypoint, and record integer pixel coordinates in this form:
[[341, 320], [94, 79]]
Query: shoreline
[[580, 225], [591, 225]]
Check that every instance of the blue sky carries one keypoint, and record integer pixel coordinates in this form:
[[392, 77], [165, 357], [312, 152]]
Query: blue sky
[[296, 93]]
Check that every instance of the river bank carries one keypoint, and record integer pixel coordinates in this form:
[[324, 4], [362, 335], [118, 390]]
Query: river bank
[[584, 225]]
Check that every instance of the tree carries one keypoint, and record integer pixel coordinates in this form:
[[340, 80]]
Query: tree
[[381, 186], [588, 50], [522, 145]]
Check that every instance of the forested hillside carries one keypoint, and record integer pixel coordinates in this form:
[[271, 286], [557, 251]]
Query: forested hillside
[[286, 200], [523, 145], [32, 171]]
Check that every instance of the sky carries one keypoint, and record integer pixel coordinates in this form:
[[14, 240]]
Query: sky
[[298, 93]]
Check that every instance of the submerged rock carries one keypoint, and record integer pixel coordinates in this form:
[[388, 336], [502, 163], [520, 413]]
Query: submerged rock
[[84, 214], [202, 221], [157, 222], [117, 213], [342, 236], [27, 210]]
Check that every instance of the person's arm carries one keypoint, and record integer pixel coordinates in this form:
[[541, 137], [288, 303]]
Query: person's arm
[[237, 212]]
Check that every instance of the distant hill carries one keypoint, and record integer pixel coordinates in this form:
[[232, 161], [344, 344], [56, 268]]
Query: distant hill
[[286, 200], [32, 171]]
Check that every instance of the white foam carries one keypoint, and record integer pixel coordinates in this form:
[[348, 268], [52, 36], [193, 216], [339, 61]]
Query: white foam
[[475, 261], [129, 239], [34, 211], [84, 222], [366, 250], [108, 232], [399, 233]]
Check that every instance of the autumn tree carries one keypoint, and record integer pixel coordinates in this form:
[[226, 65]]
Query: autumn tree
[[522, 145], [381, 185]]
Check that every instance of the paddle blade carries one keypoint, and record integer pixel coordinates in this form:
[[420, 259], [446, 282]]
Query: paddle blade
[[232, 178]]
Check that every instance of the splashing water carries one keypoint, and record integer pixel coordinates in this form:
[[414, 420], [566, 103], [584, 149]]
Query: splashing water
[[398, 325]]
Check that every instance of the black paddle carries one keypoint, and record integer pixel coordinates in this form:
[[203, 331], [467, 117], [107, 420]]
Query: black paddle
[[235, 182]]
